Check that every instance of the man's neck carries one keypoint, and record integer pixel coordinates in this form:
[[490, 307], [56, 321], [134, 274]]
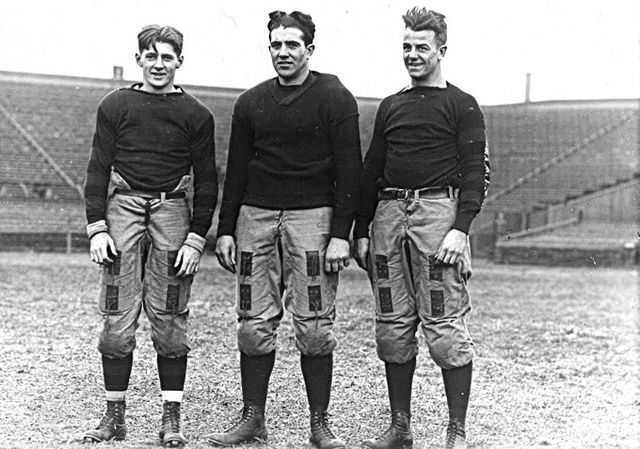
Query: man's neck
[[298, 80], [169, 89], [434, 79]]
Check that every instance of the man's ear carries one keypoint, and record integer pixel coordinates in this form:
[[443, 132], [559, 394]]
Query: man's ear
[[180, 61], [310, 49], [138, 59], [442, 51]]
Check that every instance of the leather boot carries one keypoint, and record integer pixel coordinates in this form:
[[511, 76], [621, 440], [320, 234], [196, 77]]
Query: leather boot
[[321, 435], [250, 427], [456, 436], [397, 436], [170, 433], [111, 427]]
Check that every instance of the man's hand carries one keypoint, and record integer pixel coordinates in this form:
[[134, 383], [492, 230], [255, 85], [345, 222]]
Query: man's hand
[[188, 259], [226, 252], [452, 247], [362, 253], [337, 256], [102, 248]]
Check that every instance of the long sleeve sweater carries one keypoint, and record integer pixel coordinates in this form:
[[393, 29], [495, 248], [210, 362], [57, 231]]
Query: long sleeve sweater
[[294, 148], [152, 141], [427, 137]]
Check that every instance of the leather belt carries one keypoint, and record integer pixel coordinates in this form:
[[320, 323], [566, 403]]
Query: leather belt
[[392, 193], [151, 195]]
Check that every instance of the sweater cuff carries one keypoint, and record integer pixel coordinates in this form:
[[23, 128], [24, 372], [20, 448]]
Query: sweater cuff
[[341, 227], [195, 241], [96, 228], [463, 221], [361, 229]]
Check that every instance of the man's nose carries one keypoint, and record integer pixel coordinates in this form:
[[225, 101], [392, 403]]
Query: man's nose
[[283, 52], [412, 53], [159, 62]]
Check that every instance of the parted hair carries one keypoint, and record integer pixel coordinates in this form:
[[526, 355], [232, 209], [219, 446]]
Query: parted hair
[[420, 19], [151, 34], [296, 19]]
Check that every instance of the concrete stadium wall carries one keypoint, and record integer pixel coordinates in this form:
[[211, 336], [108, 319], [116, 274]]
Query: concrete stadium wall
[[613, 257], [44, 242], [616, 204]]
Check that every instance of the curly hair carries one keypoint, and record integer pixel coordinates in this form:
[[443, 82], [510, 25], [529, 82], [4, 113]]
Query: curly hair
[[296, 19], [151, 34], [420, 19]]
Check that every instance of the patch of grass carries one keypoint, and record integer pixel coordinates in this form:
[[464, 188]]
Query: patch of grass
[[556, 366]]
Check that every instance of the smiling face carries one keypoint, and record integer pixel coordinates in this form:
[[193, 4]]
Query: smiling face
[[422, 56], [159, 63], [289, 55]]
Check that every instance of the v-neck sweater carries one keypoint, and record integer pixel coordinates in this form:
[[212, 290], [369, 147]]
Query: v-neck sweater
[[294, 149]]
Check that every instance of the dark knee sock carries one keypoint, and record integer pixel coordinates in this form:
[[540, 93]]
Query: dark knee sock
[[117, 373], [318, 374], [399, 382], [172, 373], [457, 386], [255, 372]]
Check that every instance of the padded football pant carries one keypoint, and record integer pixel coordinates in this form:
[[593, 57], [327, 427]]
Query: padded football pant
[[282, 252], [410, 288], [148, 234]]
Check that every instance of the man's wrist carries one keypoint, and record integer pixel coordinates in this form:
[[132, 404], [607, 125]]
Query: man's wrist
[[96, 228], [195, 241]]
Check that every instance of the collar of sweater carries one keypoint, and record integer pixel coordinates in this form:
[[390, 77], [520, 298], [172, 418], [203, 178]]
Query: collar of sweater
[[285, 99]]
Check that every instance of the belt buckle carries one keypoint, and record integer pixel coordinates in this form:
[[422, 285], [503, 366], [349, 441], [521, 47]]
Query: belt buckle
[[403, 194]]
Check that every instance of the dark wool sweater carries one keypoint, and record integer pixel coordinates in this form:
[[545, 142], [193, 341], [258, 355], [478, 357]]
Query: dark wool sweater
[[426, 137], [152, 141], [294, 149]]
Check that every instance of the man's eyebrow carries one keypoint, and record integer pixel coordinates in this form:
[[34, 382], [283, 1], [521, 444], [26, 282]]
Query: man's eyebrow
[[288, 42]]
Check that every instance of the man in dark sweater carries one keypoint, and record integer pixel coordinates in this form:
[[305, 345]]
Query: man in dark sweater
[[148, 138], [424, 181], [287, 208]]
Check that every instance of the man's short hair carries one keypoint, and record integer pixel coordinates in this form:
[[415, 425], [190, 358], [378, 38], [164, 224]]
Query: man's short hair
[[296, 19], [151, 34], [420, 19]]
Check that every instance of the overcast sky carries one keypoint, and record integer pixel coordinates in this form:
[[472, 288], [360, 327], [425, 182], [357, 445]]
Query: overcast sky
[[574, 49]]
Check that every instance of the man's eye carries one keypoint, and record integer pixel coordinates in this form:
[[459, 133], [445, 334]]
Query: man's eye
[[276, 46]]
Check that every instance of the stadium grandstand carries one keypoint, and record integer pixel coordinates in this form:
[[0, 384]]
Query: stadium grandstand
[[565, 181]]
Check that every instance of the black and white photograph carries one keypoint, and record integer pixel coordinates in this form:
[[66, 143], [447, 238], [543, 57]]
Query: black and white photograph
[[318, 224]]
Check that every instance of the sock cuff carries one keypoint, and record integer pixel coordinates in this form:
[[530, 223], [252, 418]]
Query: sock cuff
[[172, 396], [115, 395]]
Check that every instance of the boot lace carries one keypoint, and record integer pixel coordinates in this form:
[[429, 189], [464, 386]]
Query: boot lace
[[113, 416], [454, 430], [320, 426], [248, 412], [171, 417]]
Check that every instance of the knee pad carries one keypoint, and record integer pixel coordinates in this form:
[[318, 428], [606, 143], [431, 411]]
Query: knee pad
[[449, 353], [116, 345], [316, 342], [395, 344], [254, 337]]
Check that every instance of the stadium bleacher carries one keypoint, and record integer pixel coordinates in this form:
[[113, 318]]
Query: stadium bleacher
[[58, 113]]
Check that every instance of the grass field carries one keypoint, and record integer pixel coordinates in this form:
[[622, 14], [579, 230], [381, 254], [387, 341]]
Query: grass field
[[557, 362]]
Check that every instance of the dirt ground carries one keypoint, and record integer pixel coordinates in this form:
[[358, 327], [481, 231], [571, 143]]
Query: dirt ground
[[557, 362]]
